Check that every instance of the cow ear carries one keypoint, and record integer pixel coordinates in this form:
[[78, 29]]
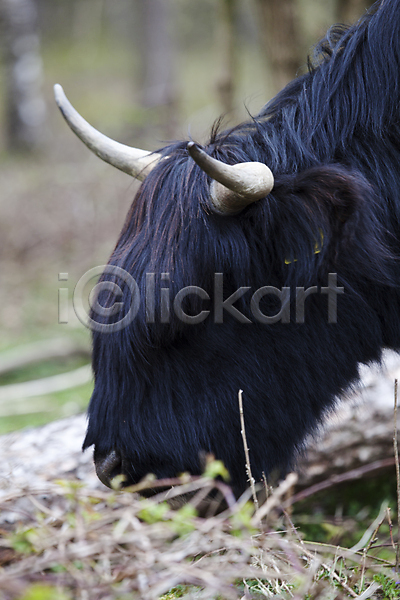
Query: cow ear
[[333, 190], [344, 203]]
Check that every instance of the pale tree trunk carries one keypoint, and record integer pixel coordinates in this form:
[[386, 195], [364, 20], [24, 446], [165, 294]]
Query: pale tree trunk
[[158, 58], [280, 38], [25, 107], [228, 54]]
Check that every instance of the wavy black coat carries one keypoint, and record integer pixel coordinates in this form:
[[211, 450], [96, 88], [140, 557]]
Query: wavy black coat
[[166, 393]]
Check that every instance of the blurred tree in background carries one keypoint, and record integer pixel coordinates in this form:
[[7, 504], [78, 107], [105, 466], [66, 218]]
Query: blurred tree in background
[[155, 40], [350, 10], [144, 72], [159, 86], [280, 38], [226, 34], [25, 109]]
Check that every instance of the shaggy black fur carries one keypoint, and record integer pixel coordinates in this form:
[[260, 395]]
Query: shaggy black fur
[[167, 392]]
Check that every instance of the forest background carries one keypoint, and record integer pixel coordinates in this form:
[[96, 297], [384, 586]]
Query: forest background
[[143, 72]]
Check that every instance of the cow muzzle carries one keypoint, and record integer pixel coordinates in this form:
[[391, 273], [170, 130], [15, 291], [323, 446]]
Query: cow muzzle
[[108, 466], [113, 464]]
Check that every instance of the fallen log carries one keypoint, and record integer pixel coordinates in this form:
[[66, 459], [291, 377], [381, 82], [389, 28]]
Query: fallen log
[[21, 357], [41, 387], [359, 432]]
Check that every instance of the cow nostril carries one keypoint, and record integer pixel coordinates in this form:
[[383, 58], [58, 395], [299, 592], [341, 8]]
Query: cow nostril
[[108, 467]]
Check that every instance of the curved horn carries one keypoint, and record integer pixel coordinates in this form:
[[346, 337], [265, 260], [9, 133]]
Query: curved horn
[[233, 186], [137, 163]]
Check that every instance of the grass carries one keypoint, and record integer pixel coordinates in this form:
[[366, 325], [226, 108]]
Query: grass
[[72, 540], [116, 545], [43, 409], [61, 211], [389, 586], [26, 411], [342, 517]]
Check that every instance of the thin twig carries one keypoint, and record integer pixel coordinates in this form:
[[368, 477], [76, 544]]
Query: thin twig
[[340, 580], [292, 526], [396, 458], [344, 552], [265, 482], [331, 571], [336, 479], [370, 534], [373, 537], [275, 499], [177, 486], [246, 451], [389, 518], [376, 525]]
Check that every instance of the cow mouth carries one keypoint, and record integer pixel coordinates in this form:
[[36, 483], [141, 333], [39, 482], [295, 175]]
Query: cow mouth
[[114, 464], [108, 466]]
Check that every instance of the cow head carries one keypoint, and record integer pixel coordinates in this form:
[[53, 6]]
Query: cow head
[[226, 277]]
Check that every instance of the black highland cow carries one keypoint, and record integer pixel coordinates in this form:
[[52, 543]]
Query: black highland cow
[[297, 273]]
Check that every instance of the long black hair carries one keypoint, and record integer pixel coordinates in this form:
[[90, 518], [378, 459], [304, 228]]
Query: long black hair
[[166, 391]]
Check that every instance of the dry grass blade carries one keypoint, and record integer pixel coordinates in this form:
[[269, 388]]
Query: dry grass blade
[[112, 545], [275, 498], [246, 450], [340, 581], [369, 592], [369, 536], [374, 528]]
